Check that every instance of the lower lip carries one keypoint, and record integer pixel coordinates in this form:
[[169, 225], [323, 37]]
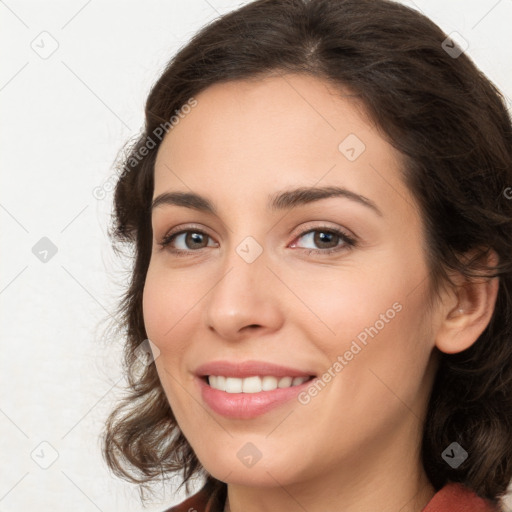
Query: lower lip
[[247, 405]]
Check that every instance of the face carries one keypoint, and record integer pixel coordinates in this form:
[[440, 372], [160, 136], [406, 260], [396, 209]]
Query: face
[[327, 287]]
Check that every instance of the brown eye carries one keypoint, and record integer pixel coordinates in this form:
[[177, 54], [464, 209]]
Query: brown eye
[[323, 237], [194, 240], [190, 240], [327, 240]]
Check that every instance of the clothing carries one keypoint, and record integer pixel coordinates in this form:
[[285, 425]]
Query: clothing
[[451, 498], [457, 498]]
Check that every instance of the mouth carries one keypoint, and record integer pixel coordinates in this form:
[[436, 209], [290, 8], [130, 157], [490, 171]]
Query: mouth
[[254, 383], [247, 389]]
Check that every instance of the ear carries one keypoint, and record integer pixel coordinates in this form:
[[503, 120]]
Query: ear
[[467, 310]]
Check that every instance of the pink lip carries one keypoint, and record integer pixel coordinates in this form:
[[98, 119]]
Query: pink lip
[[247, 405], [249, 369]]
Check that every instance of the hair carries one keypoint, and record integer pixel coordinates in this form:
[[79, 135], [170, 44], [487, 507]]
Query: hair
[[453, 131]]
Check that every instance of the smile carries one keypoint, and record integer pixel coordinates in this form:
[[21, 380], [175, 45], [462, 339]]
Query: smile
[[248, 403], [254, 384]]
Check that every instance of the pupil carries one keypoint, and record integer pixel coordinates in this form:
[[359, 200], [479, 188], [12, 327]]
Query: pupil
[[196, 237], [321, 237]]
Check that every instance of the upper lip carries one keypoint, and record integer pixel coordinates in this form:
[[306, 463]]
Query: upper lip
[[248, 369]]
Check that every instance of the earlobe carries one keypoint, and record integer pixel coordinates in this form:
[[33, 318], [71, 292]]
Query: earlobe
[[464, 322]]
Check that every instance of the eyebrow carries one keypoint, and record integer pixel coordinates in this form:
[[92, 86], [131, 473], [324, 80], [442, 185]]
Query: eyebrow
[[280, 201]]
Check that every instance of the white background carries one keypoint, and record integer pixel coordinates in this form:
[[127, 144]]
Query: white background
[[64, 118]]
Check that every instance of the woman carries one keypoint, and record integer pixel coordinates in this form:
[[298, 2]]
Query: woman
[[320, 213]]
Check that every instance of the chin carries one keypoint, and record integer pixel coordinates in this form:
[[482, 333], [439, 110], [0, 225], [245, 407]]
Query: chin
[[249, 477], [235, 467]]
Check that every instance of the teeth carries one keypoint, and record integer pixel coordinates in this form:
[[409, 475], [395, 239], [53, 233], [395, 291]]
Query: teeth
[[233, 385], [269, 383], [285, 382], [250, 384], [253, 384]]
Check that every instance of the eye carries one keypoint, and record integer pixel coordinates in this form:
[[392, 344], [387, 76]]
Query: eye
[[327, 239], [193, 239]]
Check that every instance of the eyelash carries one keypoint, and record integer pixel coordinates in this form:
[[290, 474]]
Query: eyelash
[[349, 242]]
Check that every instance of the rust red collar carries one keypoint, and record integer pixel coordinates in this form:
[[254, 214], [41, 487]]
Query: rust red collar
[[457, 498], [451, 498]]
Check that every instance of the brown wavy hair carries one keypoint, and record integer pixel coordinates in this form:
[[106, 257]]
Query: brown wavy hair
[[454, 133]]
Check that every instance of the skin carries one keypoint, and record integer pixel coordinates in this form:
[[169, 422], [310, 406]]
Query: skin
[[355, 446]]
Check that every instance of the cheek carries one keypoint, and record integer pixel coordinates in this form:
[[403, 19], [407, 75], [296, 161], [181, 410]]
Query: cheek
[[378, 323], [343, 302], [166, 311], [164, 303], [386, 360], [152, 306]]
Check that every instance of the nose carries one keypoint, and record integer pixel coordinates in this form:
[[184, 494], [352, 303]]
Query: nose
[[245, 298]]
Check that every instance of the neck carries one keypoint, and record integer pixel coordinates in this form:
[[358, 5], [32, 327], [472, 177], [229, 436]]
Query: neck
[[387, 480], [411, 499]]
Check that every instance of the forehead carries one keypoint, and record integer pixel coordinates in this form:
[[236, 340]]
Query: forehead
[[290, 116], [255, 137]]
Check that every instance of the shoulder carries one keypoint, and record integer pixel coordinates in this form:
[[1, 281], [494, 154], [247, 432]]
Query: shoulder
[[455, 497]]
